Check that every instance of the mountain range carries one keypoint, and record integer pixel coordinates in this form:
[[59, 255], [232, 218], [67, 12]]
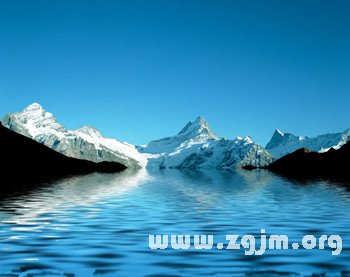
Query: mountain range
[[83, 143], [285, 143], [195, 146]]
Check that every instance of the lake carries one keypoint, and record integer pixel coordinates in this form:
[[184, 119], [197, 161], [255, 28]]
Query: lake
[[99, 225]]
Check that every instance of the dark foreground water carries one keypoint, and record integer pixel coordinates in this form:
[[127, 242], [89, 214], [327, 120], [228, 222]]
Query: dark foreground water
[[98, 225]]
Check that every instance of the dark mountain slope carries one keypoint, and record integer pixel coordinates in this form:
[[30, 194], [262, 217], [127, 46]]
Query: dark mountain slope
[[25, 160], [304, 163]]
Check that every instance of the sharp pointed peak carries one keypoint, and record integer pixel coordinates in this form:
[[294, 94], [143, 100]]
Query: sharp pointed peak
[[276, 139], [278, 132], [198, 126], [197, 123], [199, 118]]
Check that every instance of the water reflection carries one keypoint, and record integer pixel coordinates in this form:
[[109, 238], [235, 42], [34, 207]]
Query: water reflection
[[98, 225], [70, 192]]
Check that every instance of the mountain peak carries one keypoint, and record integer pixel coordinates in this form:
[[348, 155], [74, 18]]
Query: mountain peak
[[29, 121], [201, 120], [276, 139], [278, 133], [198, 127], [33, 107]]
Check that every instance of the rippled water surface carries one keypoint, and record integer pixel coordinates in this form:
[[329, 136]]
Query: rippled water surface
[[98, 225]]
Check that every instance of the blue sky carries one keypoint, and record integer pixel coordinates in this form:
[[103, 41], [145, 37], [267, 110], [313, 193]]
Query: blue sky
[[140, 70]]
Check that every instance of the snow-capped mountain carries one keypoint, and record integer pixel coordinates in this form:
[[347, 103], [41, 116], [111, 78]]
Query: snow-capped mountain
[[84, 143], [196, 146], [193, 133], [285, 143]]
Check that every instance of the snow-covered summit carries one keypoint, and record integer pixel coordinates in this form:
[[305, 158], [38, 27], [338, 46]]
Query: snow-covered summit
[[198, 127], [85, 142], [285, 143], [32, 121], [197, 131], [33, 107], [197, 146]]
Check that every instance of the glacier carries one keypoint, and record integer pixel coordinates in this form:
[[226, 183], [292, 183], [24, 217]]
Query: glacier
[[282, 143], [197, 146], [83, 143]]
